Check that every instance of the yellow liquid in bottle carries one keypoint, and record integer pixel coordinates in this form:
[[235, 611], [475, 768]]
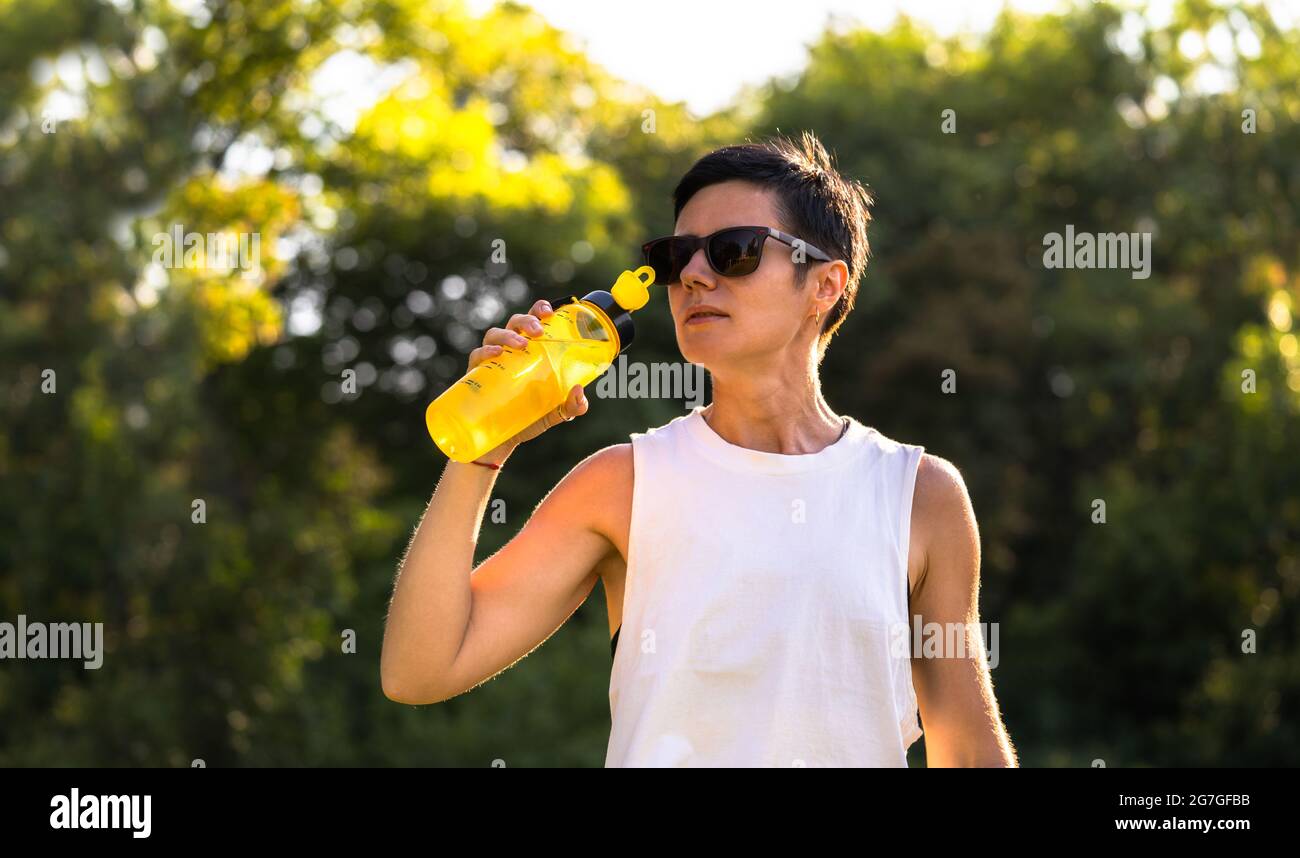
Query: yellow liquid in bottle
[[504, 395]]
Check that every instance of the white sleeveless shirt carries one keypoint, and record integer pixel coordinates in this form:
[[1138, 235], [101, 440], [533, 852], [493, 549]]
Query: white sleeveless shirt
[[762, 604]]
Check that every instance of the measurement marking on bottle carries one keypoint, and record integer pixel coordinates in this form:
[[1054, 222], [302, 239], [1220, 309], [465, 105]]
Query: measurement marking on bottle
[[576, 342]]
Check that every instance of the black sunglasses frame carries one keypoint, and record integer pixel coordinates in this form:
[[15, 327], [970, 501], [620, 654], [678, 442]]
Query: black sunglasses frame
[[694, 243]]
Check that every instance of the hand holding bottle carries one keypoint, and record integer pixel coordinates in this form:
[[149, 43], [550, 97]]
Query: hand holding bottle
[[518, 330], [529, 375]]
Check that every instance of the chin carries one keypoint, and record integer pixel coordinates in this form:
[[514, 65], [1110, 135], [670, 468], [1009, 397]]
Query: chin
[[699, 353]]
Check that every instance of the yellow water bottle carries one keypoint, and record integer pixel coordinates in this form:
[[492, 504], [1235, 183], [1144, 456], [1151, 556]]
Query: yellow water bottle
[[504, 395]]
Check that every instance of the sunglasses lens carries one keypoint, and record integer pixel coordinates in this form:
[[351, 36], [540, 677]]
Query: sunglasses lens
[[736, 252], [731, 252], [667, 257]]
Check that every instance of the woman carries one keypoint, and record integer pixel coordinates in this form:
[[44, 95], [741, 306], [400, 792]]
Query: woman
[[762, 557]]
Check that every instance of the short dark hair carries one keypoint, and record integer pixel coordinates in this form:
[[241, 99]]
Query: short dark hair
[[814, 202]]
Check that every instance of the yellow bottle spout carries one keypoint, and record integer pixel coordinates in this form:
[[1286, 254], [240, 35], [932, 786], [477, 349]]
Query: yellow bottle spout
[[631, 290]]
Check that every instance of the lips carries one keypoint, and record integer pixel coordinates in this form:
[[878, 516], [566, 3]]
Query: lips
[[702, 313]]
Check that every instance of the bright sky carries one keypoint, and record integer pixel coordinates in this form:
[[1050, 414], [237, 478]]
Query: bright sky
[[674, 47]]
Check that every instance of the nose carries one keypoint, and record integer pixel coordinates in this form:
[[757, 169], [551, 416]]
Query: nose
[[697, 272]]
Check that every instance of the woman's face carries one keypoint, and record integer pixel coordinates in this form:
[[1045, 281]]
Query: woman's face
[[766, 317]]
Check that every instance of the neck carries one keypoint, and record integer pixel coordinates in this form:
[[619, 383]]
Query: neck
[[773, 412]]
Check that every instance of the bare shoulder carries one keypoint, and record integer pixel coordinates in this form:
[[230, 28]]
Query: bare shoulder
[[614, 461], [943, 520], [601, 485], [939, 485], [604, 471]]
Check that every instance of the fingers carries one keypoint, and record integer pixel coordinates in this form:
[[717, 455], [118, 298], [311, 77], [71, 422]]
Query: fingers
[[574, 405], [520, 328], [525, 323], [515, 334], [503, 337], [482, 353]]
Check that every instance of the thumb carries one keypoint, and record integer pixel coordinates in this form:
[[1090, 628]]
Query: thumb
[[577, 401]]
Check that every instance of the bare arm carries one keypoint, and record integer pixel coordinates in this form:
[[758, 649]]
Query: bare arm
[[450, 626], [959, 712]]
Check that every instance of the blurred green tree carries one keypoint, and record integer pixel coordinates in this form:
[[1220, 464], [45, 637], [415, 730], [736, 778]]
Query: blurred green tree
[[416, 174]]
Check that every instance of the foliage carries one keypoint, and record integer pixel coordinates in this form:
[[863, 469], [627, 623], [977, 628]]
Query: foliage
[[380, 226]]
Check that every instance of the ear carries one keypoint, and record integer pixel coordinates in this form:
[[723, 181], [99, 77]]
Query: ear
[[832, 280]]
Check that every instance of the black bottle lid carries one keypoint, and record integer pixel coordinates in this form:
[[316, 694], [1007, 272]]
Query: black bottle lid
[[619, 315]]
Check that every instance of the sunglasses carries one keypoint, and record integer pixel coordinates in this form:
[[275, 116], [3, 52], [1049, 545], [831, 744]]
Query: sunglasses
[[732, 252]]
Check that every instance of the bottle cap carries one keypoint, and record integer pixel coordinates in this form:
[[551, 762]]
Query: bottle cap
[[618, 314], [631, 291]]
